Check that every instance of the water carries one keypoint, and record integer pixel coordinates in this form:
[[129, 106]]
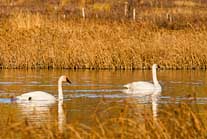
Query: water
[[97, 90]]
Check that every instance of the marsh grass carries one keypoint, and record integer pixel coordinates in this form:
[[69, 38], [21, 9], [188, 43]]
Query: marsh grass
[[171, 34], [26, 20], [126, 121], [98, 44]]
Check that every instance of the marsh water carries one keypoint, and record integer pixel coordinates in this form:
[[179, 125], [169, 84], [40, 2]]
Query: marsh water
[[92, 90]]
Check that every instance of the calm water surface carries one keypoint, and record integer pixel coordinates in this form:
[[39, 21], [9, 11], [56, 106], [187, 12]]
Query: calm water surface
[[90, 88]]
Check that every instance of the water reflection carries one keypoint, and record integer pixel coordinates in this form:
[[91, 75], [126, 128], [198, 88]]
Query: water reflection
[[155, 98], [6, 100], [61, 116], [35, 111], [146, 97], [39, 112]]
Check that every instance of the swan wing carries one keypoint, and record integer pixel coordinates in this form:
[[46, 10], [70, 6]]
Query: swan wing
[[141, 93], [36, 95], [140, 85]]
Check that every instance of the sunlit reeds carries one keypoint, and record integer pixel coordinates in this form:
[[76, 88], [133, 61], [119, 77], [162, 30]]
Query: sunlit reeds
[[98, 44], [169, 33], [26, 20], [127, 121]]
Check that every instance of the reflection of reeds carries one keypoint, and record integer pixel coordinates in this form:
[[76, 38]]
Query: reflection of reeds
[[94, 44], [175, 121]]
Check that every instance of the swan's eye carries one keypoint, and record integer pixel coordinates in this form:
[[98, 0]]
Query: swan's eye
[[30, 98]]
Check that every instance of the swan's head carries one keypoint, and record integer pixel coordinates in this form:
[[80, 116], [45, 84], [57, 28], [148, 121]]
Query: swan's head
[[155, 66], [64, 79]]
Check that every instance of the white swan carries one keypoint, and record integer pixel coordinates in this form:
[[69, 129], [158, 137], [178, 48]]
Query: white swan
[[40, 95], [142, 87]]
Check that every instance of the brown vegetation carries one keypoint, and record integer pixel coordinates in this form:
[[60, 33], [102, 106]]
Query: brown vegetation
[[179, 121], [171, 34], [98, 45]]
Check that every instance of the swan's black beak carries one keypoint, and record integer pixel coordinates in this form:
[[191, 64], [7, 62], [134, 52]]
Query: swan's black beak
[[68, 81], [158, 68]]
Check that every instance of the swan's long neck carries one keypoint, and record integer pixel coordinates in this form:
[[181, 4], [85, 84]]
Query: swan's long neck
[[154, 76], [60, 90]]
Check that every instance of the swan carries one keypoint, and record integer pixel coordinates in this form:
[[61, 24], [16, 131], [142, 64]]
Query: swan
[[146, 87], [40, 95]]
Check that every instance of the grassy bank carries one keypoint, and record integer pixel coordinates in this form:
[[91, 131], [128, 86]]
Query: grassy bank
[[31, 41], [35, 40], [179, 121]]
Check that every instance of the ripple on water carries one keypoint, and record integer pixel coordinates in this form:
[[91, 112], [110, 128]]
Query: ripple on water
[[10, 83]]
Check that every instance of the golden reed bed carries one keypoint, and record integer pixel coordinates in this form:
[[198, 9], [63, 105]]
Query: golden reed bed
[[36, 41], [176, 121]]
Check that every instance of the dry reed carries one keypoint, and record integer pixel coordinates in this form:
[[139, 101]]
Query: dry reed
[[99, 45], [173, 38], [179, 121]]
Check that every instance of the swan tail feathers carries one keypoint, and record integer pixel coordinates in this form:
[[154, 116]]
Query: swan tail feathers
[[126, 85], [18, 97]]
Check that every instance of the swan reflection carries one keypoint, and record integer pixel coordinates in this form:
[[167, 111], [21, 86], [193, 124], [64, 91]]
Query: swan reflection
[[35, 111], [145, 97], [39, 111], [61, 116]]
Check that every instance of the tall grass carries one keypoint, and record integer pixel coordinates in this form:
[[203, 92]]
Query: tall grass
[[170, 33], [176, 121], [30, 40]]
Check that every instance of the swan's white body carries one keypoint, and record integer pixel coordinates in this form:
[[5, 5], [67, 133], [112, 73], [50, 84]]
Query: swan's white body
[[142, 86], [40, 95], [140, 92], [36, 95]]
